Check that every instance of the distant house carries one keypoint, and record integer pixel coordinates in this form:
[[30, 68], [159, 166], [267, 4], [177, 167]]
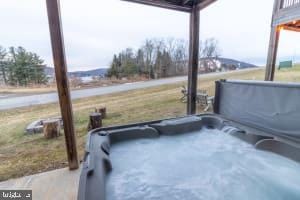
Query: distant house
[[49, 72], [207, 65]]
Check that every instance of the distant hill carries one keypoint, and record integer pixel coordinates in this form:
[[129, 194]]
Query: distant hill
[[95, 72], [102, 71]]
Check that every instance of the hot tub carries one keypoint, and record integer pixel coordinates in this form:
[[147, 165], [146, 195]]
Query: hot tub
[[227, 155]]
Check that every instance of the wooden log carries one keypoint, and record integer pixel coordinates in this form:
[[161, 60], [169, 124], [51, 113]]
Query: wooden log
[[60, 64], [51, 128], [95, 121], [101, 110], [193, 61]]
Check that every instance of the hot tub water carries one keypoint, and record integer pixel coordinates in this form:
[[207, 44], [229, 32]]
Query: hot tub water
[[208, 164]]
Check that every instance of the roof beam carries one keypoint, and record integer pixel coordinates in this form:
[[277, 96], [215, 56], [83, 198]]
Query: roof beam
[[184, 2], [291, 28], [205, 3], [162, 4], [183, 6]]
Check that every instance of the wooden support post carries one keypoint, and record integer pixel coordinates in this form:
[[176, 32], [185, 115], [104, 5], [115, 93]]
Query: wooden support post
[[273, 45], [51, 128], [272, 53], [60, 65], [95, 121], [193, 61]]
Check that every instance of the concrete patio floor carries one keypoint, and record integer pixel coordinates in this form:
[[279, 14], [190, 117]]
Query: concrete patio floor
[[60, 184]]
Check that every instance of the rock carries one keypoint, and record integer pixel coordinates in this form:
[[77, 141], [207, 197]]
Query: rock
[[36, 127]]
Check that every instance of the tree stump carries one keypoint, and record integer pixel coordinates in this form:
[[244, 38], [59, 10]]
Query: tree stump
[[101, 110], [95, 121], [51, 128]]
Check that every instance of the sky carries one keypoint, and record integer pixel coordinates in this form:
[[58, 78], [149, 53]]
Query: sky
[[96, 29]]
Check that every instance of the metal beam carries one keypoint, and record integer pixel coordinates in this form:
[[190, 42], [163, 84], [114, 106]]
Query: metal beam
[[162, 4], [58, 51], [193, 60]]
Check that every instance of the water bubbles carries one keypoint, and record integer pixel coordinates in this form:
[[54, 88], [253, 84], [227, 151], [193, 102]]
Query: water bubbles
[[208, 164]]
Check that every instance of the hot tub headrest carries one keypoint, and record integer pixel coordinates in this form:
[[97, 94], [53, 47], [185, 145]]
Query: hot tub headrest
[[177, 126], [273, 107]]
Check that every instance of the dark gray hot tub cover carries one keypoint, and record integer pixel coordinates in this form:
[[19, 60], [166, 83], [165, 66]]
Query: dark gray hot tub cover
[[274, 107]]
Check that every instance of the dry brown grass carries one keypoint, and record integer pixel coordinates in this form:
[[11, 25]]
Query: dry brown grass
[[75, 84], [27, 90], [23, 155]]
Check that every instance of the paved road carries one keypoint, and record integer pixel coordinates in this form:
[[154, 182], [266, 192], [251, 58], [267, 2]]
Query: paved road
[[15, 102]]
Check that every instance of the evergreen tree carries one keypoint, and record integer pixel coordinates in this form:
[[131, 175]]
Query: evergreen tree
[[3, 65], [114, 69], [24, 68], [140, 62]]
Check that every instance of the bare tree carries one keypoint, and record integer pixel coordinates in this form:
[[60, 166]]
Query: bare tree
[[140, 62], [170, 45], [210, 48], [149, 57], [180, 56], [156, 58], [209, 52], [159, 44]]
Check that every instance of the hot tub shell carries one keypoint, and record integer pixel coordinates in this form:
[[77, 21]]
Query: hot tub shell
[[256, 112]]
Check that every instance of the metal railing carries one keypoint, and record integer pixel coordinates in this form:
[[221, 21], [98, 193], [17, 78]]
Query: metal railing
[[289, 3]]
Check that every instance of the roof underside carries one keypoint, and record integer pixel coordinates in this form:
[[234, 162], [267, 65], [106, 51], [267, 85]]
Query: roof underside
[[180, 5], [292, 26]]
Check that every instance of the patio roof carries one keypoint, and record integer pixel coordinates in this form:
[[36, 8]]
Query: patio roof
[[286, 16]]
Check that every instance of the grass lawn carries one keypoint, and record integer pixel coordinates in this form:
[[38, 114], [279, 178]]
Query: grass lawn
[[28, 154]]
